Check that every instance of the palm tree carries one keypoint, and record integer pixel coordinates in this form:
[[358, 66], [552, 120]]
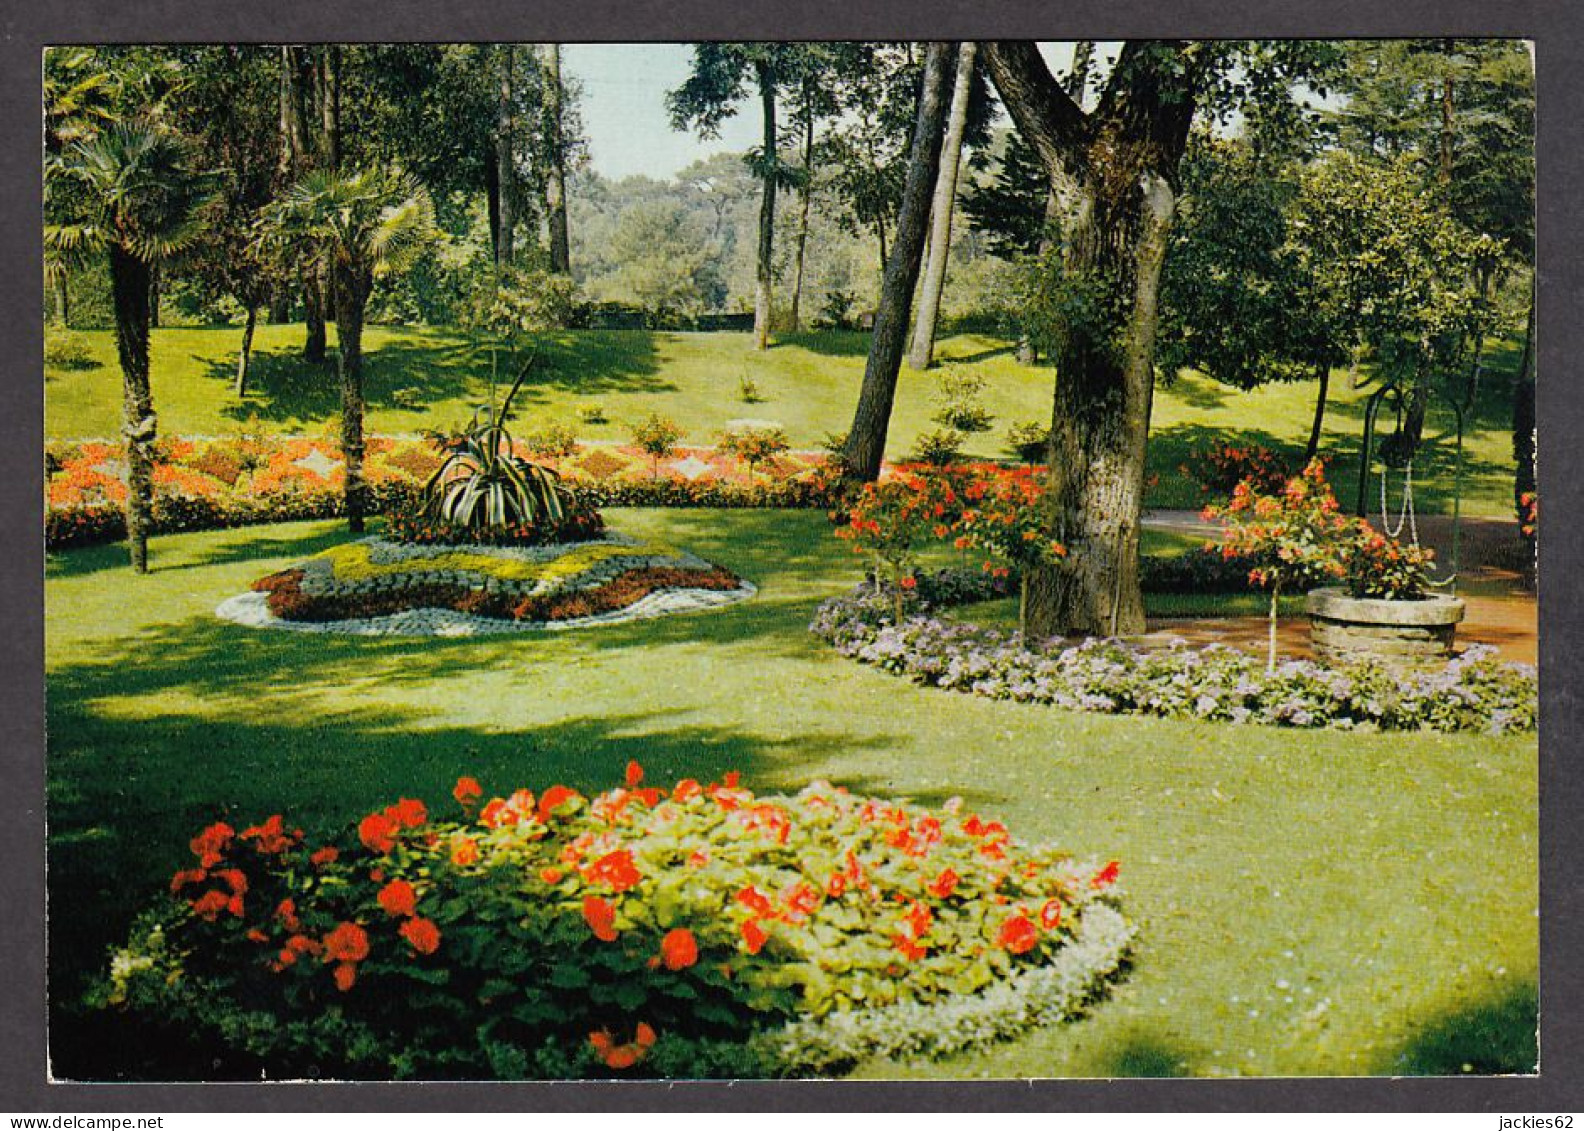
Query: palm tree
[[130, 191], [358, 226]]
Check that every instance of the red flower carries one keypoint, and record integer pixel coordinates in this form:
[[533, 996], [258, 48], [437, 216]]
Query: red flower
[[615, 869], [399, 898], [623, 1056], [271, 836], [1051, 914], [286, 912], [1018, 935], [944, 884], [919, 919], [464, 851], [377, 831], [836, 885], [408, 813], [234, 879], [601, 917], [753, 899], [326, 855], [910, 949], [347, 943], [754, 936], [909, 582], [634, 775], [644, 1035], [345, 975], [679, 949], [551, 875], [187, 876], [1106, 876], [552, 799], [698, 859], [686, 789], [211, 844], [731, 779], [210, 904], [496, 814], [422, 934], [467, 792]]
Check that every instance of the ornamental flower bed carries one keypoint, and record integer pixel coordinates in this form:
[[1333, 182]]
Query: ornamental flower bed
[[566, 581], [700, 930], [1473, 692]]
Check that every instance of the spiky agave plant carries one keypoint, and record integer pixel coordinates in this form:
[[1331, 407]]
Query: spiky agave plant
[[482, 484]]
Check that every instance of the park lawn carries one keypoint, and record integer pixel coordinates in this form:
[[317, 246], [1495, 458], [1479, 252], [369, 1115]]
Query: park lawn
[[431, 378], [1310, 902]]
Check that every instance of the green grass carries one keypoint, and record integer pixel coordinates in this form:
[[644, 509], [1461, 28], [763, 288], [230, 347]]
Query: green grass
[[420, 379], [1311, 902]]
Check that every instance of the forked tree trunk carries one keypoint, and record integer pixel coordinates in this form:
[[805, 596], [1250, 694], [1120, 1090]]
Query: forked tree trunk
[[922, 354], [351, 290], [764, 276], [505, 173], [555, 172], [866, 439], [246, 351], [129, 286]]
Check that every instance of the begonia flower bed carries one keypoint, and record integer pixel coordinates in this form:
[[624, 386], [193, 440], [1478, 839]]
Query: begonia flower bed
[[700, 930]]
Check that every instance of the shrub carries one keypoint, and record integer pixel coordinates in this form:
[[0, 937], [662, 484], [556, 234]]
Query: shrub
[[552, 440], [748, 390], [1474, 692], [891, 519], [657, 436], [1382, 567], [701, 930], [1004, 519], [1030, 442], [957, 404], [65, 350], [836, 311], [593, 414], [1219, 467], [754, 445], [939, 448]]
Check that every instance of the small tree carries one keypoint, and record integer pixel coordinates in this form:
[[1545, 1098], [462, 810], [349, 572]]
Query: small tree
[[1004, 519], [890, 520], [1296, 537], [657, 436], [754, 445]]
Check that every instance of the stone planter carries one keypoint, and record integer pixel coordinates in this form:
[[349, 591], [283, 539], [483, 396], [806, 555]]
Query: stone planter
[[1345, 628]]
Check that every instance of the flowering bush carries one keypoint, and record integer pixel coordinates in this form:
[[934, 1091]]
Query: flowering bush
[[754, 445], [700, 930], [1218, 468], [1382, 567], [892, 518], [1474, 692], [657, 435], [1005, 520], [1295, 536]]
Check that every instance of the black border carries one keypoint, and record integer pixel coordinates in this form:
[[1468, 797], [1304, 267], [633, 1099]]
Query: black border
[[1557, 27]]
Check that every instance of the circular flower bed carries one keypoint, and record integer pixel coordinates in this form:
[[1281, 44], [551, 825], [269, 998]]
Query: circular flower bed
[[695, 931], [1473, 692], [375, 585]]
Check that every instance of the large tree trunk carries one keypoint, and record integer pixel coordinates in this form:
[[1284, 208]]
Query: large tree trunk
[[297, 154], [492, 203], [805, 194], [1523, 421], [922, 355], [1323, 375], [246, 352], [154, 295], [866, 439], [330, 108], [129, 286], [764, 277], [351, 291], [1114, 172], [555, 173], [314, 315], [505, 173]]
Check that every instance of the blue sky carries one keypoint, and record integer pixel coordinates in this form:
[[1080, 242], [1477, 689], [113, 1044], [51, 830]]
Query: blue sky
[[623, 107]]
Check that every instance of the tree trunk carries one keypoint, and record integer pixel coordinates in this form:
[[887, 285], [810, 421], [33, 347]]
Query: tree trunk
[[62, 301], [1027, 354], [351, 290], [129, 286], [1323, 375], [314, 315], [866, 439], [922, 355], [1523, 420], [555, 174], [805, 194], [492, 203], [764, 278], [1083, 61], [330, 105], [505, 172], [247, 349], [1114, 172], [154, 295]]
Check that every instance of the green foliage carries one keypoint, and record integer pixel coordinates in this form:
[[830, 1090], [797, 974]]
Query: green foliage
[[553, 438], [1384, 568], [657, 435], [938, 448], [66, 350], [748, 390], [664, 261], [754, 445], [1029, 441], [957, 400], [700, 916]]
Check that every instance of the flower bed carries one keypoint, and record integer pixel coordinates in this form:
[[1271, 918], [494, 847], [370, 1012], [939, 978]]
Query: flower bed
[[696, 931], [1474, 692], [375, 578]]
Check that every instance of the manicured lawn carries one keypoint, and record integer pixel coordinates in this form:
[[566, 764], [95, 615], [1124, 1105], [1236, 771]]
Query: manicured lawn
[[1311, 902], [419, 379]]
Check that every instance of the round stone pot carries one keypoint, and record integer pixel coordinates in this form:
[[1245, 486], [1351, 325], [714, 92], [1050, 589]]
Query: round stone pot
[[1401, 632]]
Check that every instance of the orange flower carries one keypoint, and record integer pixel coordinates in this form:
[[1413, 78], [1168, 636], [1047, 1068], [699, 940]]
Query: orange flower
[[754, 936], [377, 831], [409, 813], [399, 898], [698, 859], [622, 1056], [464, 851], [679, 949], [271, 836], [422, 934], [345, 975], [601, 917], [944, 884], [1106, 876], [909, 949], [210, 904], [187, 876], [286, 912], [326, 855], [1018, 935], [1051, 914], [552, 799], [634, 776], [496, 814], [686, 789], [551, 875], [601, 1039], [836, 885], [210, 845], [467, 792], [234, 879], [347, 943], [644, 1035]]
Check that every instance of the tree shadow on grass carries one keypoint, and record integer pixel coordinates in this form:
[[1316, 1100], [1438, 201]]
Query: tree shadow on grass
[[1147, 1056], [261, 542], [827, 343], [1497, 1036]]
